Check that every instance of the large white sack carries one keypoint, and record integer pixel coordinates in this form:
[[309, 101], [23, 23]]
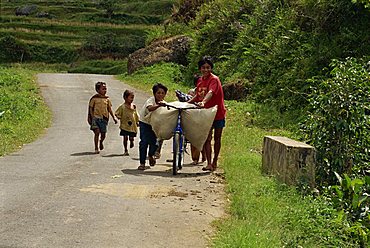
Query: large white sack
[[163, 122], [196, 124]]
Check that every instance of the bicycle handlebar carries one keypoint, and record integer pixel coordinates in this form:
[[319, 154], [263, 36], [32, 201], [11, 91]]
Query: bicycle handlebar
[[175, 107]]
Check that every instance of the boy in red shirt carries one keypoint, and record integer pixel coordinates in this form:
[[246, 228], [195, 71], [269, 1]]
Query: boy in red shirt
[[209, 93]]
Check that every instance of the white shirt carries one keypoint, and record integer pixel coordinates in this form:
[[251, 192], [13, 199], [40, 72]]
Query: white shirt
[[144, 113]]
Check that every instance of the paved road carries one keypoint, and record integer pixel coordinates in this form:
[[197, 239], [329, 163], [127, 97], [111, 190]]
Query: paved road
[[56, 193]]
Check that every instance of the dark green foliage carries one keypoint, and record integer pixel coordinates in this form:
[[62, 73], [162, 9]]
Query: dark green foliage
[[109, 6], [187, 10], [100, 45], [124, 18], [338, 121], [158, 7], [352, 200], [12, 50], [42, 52], [278, 45]]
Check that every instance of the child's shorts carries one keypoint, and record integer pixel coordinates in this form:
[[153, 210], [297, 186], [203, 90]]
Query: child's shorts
[[219, 124], [127, 133], [99, 123]]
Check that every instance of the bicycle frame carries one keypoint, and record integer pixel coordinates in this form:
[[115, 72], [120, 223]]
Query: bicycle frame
[[178, 146]]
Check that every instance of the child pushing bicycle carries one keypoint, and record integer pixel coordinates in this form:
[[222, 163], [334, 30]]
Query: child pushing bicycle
[[148, 138]]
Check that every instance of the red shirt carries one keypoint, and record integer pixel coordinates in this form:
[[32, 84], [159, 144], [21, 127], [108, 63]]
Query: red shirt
[[212, 83]]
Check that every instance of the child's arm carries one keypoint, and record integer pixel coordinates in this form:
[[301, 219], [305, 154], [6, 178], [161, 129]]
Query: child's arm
[[90, 115], [154, 107], [111, 113], [208, 97], [118, 113]]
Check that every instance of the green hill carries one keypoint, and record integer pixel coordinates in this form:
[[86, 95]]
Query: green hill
[[70, 31]]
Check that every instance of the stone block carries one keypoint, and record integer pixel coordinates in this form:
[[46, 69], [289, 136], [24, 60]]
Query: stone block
[[291, 162]]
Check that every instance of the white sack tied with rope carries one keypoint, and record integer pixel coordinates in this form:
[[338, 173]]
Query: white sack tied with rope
[[196, 123]]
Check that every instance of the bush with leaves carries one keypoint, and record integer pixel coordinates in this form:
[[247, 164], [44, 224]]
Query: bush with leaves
[[338, 121], [12, 50], [352, 200]]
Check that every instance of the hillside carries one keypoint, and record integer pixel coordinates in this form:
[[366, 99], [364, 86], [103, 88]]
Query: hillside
[[70, 31]]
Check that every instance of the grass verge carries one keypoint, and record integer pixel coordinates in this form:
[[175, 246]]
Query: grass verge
[[263, 212], [23, 113]]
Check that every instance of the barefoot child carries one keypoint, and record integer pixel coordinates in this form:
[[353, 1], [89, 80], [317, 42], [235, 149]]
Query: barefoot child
[[129, 120], [147, 135], [100, 107], [209, 93]]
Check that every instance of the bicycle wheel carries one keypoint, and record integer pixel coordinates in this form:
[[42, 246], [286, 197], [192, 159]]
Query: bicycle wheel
[[177, 156]]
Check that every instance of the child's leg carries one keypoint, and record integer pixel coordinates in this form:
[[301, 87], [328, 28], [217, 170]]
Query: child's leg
[[157, 153], [143, 144], [96, 139], [208, 150], [153, 147], [204, 155], [194, 154], [131, 142], [125, 139], [102, 138], [217, 146]]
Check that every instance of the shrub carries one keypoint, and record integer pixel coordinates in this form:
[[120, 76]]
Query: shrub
[[42, 52], [338, 121], [352, 200], [12, 50]]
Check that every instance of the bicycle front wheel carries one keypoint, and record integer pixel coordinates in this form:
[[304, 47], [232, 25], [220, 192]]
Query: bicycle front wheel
[[177, 153]]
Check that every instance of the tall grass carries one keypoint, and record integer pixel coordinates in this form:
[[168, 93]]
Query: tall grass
[[23, 113]]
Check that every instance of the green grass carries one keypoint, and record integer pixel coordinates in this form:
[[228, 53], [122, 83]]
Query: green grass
[[24, 114], [263, 212]]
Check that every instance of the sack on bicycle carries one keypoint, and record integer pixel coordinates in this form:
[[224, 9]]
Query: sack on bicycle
[[196, 123]]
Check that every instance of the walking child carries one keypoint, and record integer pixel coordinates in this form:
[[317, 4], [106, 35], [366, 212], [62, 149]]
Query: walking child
[[100, 107], [147, 135], [129, 120]]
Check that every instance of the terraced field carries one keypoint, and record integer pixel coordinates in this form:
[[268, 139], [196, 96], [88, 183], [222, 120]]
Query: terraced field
[[80, 28]]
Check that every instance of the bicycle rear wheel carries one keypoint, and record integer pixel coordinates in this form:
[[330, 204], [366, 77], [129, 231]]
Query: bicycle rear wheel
[[177, 153]]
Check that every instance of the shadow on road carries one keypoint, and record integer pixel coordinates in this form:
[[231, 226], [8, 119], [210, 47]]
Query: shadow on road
[[113, 155], [83, 153], [165, 173]]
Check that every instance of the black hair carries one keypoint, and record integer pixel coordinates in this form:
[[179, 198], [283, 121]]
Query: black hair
[[195, 79], [158, 86], [127, 93], [205, 60], [98, 85]]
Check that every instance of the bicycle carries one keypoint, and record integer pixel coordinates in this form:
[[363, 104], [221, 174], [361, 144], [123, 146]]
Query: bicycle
[[179, 141]]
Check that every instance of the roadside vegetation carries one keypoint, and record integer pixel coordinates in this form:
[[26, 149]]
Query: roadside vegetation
[[305, 65], [23, 113]]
